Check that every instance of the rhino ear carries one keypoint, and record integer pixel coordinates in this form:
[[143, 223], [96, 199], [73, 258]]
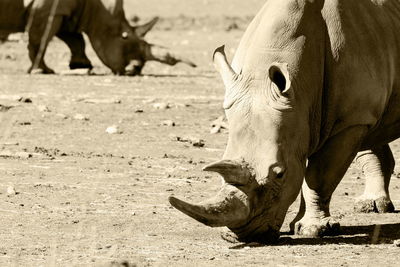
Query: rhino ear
[[142, 30], [279, 75]]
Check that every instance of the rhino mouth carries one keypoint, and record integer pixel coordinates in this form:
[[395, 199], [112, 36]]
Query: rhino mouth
[[133, 69], [241, 205]]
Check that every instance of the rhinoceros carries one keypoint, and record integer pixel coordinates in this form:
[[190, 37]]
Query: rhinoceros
[[312, 84], [119, 45]]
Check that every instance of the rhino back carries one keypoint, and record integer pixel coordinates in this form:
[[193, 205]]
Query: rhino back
[[363, 65]]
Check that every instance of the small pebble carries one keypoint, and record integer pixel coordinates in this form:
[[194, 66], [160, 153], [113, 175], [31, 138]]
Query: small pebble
[[215, 130], [81, 117], [62, 116], [113, 130], [161, 106], [43, 108], [168, 123], [23, 155], [25, 100], [11, 190]]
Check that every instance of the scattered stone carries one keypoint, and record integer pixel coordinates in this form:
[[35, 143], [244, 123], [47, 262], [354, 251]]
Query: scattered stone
[[161, 106], [6, 154], [396, 242], [219, 124], [10, 97], [232, 26], [4, 108], [102, 101], [25, 100], [169, 123], [43, 108], [25, 123], [11, 190], [121, 264], [197, 142], [139, 110], [62, 116], [11, 57], [81, 117], [215, 129], [10, 144], [113, 130], [148, 101], [23, 155]]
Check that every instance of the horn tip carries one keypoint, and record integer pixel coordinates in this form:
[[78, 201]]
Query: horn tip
[[173, 200], [220, 49]]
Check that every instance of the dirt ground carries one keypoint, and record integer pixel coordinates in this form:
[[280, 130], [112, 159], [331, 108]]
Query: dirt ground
[[72, 194]]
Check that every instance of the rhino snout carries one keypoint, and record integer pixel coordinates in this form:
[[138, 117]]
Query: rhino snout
[[134, 68]]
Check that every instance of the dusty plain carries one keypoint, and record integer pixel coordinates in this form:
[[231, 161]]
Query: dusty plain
[[72, 194]]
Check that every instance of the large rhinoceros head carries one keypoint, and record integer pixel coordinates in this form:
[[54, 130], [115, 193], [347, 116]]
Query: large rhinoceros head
[[264, 162], [122, 47]]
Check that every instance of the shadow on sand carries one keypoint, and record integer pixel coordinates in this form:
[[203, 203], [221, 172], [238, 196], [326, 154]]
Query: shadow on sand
[[354, 235]]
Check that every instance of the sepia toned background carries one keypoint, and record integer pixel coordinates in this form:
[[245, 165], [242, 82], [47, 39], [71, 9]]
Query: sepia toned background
[[87, 162]]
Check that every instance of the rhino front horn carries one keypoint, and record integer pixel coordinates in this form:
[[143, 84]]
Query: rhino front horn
[[227, 211], [161, 54], [233, 172]]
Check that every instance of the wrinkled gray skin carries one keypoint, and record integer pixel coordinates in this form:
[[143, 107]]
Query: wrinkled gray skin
[[119, 46], [308, 88]]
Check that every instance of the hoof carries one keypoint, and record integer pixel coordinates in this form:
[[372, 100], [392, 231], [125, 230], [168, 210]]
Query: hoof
[[380, 205], [317, 228], [230, 236], [41, 71]]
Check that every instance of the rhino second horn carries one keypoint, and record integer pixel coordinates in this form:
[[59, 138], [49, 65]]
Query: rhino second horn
[[233, 172], [216, 212], [222, 65]]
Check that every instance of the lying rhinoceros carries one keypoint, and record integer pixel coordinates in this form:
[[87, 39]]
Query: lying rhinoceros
[[118, 45], [312, 83]]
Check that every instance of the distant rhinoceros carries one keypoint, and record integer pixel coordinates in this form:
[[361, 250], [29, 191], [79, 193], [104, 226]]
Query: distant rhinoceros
[[312, 83], [119, 46]]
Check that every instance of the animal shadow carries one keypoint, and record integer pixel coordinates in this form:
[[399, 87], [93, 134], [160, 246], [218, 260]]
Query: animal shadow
[[354, 235]]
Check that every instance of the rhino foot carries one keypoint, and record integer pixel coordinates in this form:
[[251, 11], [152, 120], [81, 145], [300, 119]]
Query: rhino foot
[[379, 205], [317, 228], [230, 236], [41, 71]]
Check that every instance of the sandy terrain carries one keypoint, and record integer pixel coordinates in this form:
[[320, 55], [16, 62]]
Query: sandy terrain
[[84, 197]]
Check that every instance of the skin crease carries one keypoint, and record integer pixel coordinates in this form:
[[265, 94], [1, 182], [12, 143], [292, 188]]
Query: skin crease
[[339, 96]]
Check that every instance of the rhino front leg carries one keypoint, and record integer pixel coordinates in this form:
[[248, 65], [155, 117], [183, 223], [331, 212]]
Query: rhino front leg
[[76, 44], [377, 165], [325, 170], [40, 35]]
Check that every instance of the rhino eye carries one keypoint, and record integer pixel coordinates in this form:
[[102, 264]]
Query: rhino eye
[[124, 35], [277, 78]]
